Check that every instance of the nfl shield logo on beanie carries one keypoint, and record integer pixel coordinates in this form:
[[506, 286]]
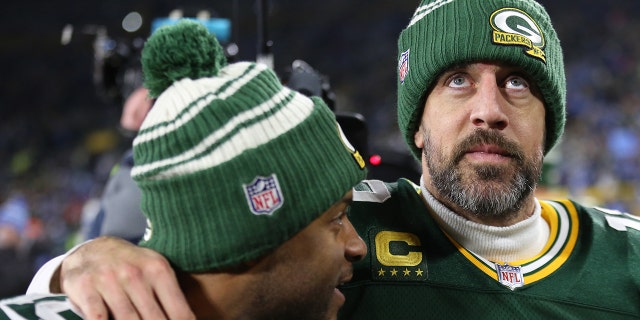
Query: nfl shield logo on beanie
[[403, 65], [263, 195]]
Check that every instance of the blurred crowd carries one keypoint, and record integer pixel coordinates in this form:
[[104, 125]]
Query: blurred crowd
[[53, 188], [599, 158]]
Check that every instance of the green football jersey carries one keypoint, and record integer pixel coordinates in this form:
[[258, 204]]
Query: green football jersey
[[38, 306], [588, 269]]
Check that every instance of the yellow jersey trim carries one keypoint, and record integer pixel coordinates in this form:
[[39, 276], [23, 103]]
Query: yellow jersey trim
[[563, 221]]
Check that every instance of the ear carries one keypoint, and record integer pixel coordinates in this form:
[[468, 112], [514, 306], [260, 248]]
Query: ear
[[418, 138]]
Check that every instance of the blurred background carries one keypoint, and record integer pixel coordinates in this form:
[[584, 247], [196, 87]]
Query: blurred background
[[68, 67]]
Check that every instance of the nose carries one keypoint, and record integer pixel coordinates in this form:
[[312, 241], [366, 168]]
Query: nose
[[355, 248], [488, 109]]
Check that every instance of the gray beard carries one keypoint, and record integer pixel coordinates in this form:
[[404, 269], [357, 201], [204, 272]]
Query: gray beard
[[489, 192]]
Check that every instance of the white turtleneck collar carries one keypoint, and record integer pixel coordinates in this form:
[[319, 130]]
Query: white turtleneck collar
[[519, 241]]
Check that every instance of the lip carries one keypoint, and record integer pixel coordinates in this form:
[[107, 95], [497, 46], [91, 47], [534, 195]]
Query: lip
[[337, 293], [339, 296], [488, 148], [345, 279], [490, 153]]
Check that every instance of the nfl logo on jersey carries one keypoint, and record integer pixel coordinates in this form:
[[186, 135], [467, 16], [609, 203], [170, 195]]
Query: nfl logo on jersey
[[263, 195], [510, 276]]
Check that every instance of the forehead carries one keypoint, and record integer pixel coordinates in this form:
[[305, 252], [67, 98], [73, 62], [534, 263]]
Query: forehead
[[497, 65]]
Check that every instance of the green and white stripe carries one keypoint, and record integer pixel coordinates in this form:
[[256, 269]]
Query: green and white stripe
[[156, 125], [285, 110], [424, 10]]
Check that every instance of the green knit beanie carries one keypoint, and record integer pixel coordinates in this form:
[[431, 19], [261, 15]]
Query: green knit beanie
[[444, 33], [230, 163]]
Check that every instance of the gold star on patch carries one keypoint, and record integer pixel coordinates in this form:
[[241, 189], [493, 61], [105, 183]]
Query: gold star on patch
[[419, 272], [394, 272], [381, 272], [406, 272]]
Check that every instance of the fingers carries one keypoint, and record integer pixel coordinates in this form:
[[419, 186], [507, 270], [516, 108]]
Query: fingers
[[142, 291], [117, 301], [117, 289], [98, 294], [91, 305], [154, 289], [113, 276], [170, 296]]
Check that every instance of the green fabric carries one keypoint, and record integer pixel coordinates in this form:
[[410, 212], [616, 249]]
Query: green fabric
[[444, 33], [600, 279], [38, 306], [184, 49], [232, 164]]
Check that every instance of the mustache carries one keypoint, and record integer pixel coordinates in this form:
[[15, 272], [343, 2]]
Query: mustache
[[482, 136]]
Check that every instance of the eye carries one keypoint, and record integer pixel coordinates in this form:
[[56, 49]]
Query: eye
[[516, 82], [340, 218], [458, 81]]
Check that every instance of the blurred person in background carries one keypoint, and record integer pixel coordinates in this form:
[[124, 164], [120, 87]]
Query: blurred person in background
[[119, 214], [16, 262]]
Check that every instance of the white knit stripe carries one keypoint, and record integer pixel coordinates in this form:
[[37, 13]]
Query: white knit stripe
[[288, 117], [561, 239], [195, 88], [423, 11]]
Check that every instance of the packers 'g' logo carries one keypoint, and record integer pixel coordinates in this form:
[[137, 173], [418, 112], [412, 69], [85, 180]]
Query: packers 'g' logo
[[513, 26], [398, 256]]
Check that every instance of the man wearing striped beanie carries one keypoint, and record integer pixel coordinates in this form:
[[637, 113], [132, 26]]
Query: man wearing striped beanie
[[245, 185]]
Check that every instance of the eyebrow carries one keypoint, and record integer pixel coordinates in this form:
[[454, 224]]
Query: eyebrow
[[457, 66]]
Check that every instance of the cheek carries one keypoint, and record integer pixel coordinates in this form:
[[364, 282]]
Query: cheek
[[533, 134], [329, 255], [446, 123], [319, 251]]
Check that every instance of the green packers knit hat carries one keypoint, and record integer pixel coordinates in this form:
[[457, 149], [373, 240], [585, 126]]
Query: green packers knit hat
[[230, 163], [444, 33]]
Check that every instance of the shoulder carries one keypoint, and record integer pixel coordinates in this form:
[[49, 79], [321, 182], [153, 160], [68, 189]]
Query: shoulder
[[608, 218], [378, 203], [376, 191], [614, 226], [617, 220], [38, 306], [124, 165]]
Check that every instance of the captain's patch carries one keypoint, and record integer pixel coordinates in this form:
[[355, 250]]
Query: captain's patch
[[397, 256]]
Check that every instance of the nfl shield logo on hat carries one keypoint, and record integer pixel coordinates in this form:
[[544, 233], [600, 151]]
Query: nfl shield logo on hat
[[264, 195], [403, 65]]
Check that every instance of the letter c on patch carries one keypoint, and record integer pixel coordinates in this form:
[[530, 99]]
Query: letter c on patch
[[383, 242]]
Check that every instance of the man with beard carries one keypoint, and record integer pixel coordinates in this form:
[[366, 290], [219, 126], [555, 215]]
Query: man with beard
[[222, 161], [481, 100]]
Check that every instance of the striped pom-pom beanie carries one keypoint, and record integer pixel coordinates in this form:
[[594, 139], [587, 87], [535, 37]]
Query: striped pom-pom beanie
[[230, 163], [444, 33]]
